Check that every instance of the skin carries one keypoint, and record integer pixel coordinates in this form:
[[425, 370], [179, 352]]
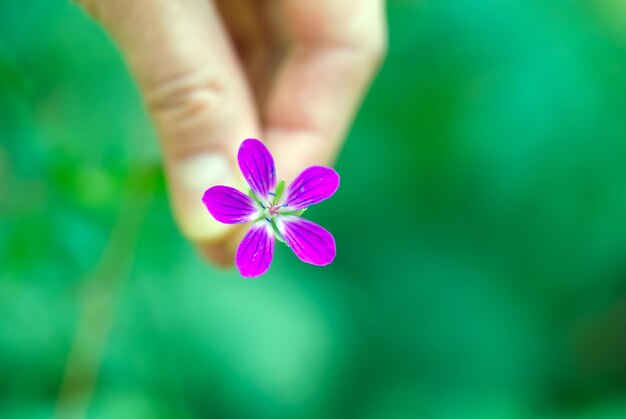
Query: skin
[[213, 73]]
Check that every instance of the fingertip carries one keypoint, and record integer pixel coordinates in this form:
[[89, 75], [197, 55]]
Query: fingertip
[[216, 255], [191, 181], [221, 253]]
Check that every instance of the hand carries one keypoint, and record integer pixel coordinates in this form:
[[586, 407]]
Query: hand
[[213, 73]]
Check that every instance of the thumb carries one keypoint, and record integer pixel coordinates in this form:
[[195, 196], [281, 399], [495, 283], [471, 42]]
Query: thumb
[[196, 93]]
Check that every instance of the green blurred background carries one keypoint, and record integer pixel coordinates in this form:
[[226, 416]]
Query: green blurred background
[[481, 228]]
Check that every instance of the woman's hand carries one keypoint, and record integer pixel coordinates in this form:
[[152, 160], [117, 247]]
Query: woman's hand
[[213, 73]]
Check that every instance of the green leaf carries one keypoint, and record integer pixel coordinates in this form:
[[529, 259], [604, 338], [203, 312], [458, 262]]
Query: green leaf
[[252, 195], [280, 188], [297, 213], [277, 233]]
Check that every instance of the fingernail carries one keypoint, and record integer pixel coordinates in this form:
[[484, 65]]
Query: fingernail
[[194, 176]]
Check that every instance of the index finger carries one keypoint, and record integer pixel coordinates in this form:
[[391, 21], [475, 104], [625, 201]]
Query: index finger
[[196, 92], [336, 50]]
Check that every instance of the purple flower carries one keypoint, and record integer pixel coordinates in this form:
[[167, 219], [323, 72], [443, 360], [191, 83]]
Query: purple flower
[[273, 211]]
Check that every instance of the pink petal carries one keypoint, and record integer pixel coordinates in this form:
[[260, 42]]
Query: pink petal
[[311, 243], [257, 165], [312, 186], [255, 252], [229, 206]]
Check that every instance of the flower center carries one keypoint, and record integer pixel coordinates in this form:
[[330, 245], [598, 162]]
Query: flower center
[[273, 210], [270, 211], [272, 205]]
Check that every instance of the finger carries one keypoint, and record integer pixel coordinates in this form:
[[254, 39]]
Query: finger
[[222, 252], [196, 93], [256, 32], [337, 48]]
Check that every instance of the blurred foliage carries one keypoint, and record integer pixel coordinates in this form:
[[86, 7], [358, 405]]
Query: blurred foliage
[[481, 229]]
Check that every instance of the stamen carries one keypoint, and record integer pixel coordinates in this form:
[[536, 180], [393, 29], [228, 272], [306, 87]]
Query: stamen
[[268, 220], [262, 204], [272, 193]]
